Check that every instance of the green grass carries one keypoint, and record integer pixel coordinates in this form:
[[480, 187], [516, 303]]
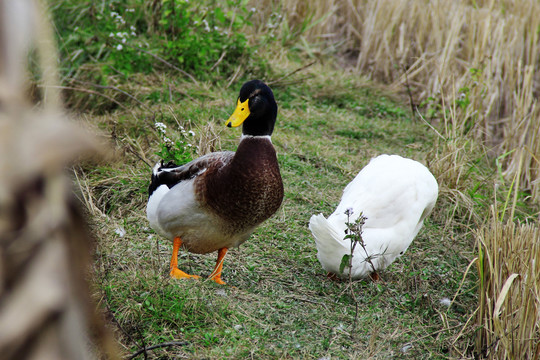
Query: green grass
[[278, 302]]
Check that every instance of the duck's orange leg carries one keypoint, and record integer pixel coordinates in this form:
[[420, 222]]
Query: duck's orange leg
[[175, 271], [216, 274]]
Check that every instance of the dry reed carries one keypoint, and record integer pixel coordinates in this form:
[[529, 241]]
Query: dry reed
[[483, 53], [509, 311]]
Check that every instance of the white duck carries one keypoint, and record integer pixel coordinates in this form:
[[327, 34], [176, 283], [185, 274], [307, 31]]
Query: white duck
[[395, 195]]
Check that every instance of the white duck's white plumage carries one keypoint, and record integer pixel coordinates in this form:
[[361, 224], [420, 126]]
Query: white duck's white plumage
[[395, 194]]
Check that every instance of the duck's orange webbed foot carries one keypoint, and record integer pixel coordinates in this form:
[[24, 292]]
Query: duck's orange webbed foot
[[216, 274], [218, 280], [179, 274], [175, 271]]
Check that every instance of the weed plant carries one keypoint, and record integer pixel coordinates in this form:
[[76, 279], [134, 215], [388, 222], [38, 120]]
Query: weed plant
[[353, 233], [202, 40], [180, 150], [117, 35]]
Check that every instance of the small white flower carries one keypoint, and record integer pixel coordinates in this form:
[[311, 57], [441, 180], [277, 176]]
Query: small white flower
[[253, 10], [206, 26], [445, 301], [132, 28], [191, 132], [111, 35], [133, 33], [160, 126], [349, 211], [114, 13], [189, 145], [120, 231], [123, 40], [406, 348], [119, 47], [119, 34], [167, 140]]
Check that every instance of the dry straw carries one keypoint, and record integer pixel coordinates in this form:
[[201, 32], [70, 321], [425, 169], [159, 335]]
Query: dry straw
[[483, 53], [509, 312]]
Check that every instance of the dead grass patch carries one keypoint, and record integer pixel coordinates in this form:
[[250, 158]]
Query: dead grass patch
[[509, 310], [482, 53]]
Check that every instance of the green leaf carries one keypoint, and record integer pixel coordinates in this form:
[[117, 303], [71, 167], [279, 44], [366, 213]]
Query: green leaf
[[219, 15], [344, 262]]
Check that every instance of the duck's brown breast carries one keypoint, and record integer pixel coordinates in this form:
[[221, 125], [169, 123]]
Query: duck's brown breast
[[248, 190]]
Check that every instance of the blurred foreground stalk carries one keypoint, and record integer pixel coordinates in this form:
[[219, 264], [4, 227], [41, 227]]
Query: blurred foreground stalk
[[45, 308]]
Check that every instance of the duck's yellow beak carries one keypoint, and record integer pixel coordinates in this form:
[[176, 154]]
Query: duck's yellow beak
[[240, 114]]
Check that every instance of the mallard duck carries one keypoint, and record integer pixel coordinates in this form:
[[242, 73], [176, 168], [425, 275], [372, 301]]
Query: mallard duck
[[215, 202], [395, 195]]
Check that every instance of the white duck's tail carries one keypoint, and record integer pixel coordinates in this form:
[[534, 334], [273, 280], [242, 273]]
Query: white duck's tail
[[329, 241]]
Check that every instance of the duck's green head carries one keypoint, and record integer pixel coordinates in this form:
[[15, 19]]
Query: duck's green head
[[256, 109]]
